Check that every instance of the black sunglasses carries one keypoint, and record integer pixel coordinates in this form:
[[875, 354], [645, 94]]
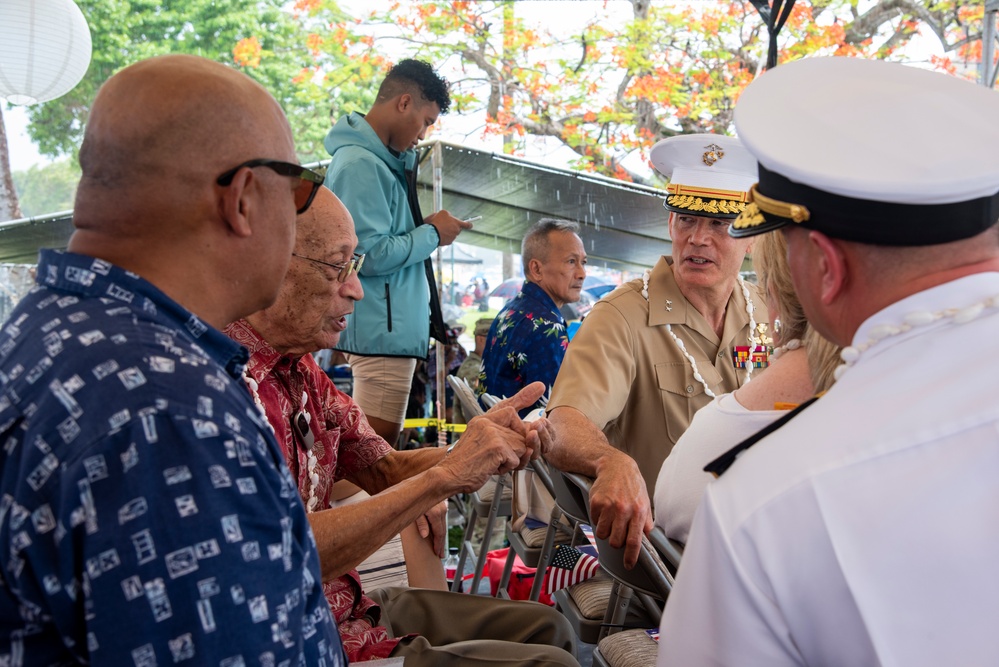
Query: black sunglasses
[[304, 193], [344, 269]]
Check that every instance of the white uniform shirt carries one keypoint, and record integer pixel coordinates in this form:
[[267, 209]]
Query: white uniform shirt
[[716, 428], [866, 530]]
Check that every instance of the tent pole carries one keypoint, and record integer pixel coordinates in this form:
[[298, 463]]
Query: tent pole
[[989, 69], [437, 161]]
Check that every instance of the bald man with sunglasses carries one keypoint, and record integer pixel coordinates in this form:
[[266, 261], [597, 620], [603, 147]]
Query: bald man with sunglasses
[[146, 513], [326, 438]]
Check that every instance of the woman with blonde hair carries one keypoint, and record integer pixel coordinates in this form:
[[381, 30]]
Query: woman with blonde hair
[[801, 365]]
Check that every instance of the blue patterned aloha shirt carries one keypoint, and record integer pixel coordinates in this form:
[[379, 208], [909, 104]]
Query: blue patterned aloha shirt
[[146, 514], [526, 342]]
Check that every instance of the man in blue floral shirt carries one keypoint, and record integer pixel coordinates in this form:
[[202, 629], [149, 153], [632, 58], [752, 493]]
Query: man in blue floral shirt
[[527, 340], [147, 516]]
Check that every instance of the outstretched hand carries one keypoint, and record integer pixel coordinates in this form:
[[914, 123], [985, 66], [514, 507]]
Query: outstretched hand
[[620, 508], [498, 441], [493, 444], [524, 398], [536, 433]]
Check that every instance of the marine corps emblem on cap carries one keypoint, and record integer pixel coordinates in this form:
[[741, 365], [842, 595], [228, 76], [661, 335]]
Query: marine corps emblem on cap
[[713, 154], [709, 174], [863, 178]]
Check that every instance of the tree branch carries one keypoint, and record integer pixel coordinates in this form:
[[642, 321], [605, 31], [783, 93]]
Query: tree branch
[[10, 208]]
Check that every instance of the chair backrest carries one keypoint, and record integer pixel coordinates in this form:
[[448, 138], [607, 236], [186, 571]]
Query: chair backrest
[[651, 576], [489, 400], [668, 549], [469, 405], [541, 469], [572, 495]]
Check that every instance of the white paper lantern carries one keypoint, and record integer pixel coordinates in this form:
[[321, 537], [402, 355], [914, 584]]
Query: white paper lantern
[[44, 49]]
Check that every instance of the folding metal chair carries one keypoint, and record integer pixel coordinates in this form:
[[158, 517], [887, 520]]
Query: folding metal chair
[[668, 549], [492, 501], [649, 582], [469, 404], [652, 579], [585, 604], [532, 554]]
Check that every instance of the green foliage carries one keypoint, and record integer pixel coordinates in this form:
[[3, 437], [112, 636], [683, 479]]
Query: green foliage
[[454, 535], [272, 40], [48, 189]]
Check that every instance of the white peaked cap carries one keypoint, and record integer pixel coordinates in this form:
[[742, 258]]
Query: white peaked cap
[[706, 172], [871, 151]]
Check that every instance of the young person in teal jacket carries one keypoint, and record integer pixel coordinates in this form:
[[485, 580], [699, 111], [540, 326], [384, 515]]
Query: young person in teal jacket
[[373, 171]]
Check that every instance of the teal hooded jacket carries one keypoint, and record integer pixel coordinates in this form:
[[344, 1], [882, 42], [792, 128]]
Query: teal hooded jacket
[[393, 318]]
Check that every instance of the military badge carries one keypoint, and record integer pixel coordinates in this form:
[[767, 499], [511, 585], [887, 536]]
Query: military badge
[[713, 153], [757, 357]]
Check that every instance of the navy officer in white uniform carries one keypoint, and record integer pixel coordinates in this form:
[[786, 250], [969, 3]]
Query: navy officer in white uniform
[[865, 529]]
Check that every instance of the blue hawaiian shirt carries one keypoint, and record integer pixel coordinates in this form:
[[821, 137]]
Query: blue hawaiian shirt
[[526, 342], [146, 513]]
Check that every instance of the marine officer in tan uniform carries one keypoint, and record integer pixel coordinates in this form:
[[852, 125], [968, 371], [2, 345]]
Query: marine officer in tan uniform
[[658, 348]]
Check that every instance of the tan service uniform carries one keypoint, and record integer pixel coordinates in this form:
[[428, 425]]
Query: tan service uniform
[[626, 374]]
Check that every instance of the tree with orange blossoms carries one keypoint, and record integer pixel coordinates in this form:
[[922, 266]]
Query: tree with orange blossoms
[[621, 83], [608, 89]]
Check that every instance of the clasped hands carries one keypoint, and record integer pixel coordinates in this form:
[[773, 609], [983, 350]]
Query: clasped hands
[[499, 441], [494, 443]]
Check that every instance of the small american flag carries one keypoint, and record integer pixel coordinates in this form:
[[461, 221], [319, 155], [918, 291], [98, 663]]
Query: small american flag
[[569, 566]]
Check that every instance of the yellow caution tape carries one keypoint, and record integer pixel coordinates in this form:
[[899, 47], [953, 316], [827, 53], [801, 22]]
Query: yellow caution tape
[[441, 425]]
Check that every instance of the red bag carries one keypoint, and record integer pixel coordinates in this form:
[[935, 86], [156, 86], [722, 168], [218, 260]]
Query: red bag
[[521, 577]]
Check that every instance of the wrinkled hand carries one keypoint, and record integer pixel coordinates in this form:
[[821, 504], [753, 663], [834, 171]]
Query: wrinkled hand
[[433, 522], [448, 227], [544, 431], [619, 506], [493, 444], [524, 398]]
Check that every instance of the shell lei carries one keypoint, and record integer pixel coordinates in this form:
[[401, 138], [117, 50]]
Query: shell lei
[[251, 384], [311, 460], [753, 342], [919, 318], [789, 346]]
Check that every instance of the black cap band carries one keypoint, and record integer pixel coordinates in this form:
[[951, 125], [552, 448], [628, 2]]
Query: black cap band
[[866, 221]]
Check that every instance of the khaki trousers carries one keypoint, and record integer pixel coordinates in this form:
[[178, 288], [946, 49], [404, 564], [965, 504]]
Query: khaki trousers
[[460, 629]]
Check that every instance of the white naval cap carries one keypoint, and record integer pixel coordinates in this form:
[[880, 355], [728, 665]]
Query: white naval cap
[[870, 151], [709, 174]]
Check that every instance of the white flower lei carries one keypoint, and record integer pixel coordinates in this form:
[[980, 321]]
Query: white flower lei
[[753, 342]]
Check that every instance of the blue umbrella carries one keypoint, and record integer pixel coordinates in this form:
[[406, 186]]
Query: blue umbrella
[[508, 288], [598, 291], [593, 281]]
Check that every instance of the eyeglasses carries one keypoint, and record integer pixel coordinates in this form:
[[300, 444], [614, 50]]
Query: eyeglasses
[[344, 269], [300, 425], [304, 193]]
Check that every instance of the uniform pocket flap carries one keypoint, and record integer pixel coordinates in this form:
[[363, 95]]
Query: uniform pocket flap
[[678, 377]]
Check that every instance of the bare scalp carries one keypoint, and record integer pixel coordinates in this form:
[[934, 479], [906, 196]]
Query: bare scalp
[[164, 128]]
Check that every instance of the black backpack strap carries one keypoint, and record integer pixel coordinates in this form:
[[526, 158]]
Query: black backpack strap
[[724, 462], [438, 329]]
